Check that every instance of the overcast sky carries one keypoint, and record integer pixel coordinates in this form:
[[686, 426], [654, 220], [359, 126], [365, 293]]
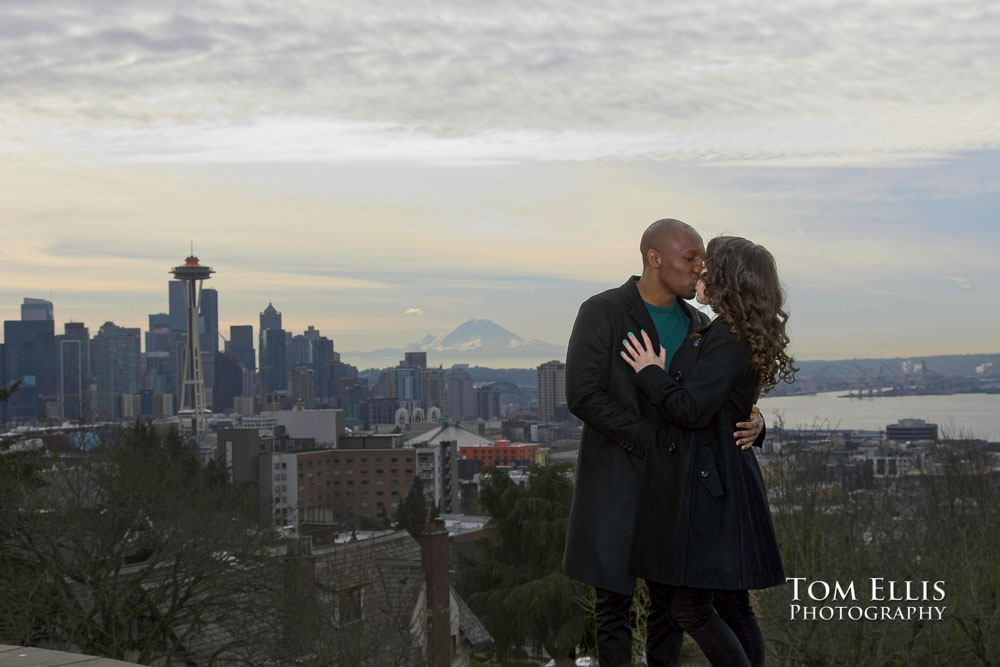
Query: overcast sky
[[384, 171]]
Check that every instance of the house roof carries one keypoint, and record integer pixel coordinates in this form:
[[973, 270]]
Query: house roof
[[448, 432], [389, 566], [470, 625]]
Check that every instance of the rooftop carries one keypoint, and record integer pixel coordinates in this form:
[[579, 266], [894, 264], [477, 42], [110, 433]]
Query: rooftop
[[448, 432]]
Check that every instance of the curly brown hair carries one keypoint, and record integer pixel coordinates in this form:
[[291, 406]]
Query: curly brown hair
[[741, 283]]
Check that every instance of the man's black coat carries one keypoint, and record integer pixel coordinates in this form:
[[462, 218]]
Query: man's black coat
[[620, 426]]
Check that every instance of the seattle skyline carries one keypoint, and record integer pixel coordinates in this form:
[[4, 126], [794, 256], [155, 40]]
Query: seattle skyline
[[384, 173]]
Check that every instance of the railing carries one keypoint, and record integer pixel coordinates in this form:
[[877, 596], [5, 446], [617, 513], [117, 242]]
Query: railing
[[27, 655]]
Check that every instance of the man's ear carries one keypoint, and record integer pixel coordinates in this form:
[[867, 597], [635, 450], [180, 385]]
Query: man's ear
[[653, 258]]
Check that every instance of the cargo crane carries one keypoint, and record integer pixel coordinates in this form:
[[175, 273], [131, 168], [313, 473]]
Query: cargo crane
[[869, 384]]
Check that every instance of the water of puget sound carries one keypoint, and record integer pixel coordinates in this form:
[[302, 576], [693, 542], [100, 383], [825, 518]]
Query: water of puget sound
[[972, 415]]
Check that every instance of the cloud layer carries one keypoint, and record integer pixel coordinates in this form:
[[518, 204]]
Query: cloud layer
[[318, 155], [734, 82]]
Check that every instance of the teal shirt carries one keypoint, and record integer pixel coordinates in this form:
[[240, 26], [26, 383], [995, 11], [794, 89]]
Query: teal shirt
[[671, 327]]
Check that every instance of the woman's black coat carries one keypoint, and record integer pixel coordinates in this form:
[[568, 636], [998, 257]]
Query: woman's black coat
[[703, 519], [621, 427]]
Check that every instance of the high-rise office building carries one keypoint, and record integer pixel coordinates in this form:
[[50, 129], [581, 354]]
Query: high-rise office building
[[208, 320], [159, 372], [487, 403], [34, 310], [208, 335], [178, 318], [175, 363], [551, 389], [158, 334], [270, 318], [241, 346], [74, 371], [405, 382], [157, 375], [323, 360], [382, 387], [461, 394], [433, 390], [230, 382], [418, 359], [177, 339], [115, 360], [353, 398], [304, 385], [301, 351], [312, 334], [273, 362], [343, 377], [29, 357]]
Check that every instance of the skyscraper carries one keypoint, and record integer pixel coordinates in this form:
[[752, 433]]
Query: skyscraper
[[405, 382], [208, 320], [382, 388], [229, 382], [208, 335], [241, 346], [273, 366], [33, 310], [29, 357], [115, 361], [461, 395], [74, 371], [312, 333], [270, 318], [353, 398], [551, 389], [177, 338], [177, 342], [487, 403], [418, 359], [301, 351], [176, 304], [158, 334], [304, 385], [323, 360], [158, 375], [433, 390]]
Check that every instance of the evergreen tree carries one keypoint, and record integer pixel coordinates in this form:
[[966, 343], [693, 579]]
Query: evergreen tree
[[412, 514], [517, 588]]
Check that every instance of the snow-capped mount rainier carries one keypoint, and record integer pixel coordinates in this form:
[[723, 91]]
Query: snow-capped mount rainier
[[477, 341], [478, 334]]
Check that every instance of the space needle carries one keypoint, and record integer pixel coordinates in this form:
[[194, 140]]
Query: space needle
[[192, 404]]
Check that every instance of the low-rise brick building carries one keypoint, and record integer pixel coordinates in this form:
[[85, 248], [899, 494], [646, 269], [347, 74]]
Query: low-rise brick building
[[501, 453]]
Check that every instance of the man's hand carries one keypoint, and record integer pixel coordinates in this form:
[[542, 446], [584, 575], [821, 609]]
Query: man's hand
[[749, 430]]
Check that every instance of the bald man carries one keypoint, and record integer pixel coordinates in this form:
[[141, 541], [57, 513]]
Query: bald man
[[620, 425]]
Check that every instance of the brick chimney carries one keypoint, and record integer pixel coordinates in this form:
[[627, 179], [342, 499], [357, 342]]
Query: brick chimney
[[435, 560]]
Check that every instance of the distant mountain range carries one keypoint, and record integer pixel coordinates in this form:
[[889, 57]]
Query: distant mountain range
[[817, 375], [484, 343], [475, 342]]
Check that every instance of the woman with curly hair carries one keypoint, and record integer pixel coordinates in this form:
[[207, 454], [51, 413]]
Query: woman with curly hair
[[713, 538]]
